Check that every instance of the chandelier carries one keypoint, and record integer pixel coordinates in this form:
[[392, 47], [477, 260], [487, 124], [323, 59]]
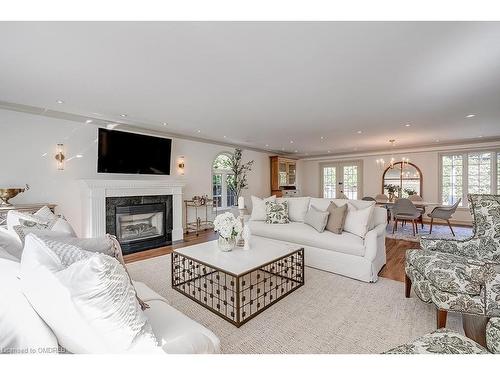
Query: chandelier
[[382, 164]]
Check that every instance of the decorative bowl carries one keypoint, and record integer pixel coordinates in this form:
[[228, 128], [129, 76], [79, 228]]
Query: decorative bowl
[[9, 193]]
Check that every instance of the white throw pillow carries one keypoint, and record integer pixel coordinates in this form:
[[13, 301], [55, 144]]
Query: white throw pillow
[[297, 208], [259, 207], [14, 217], [86, 298], [21, 329], [316, 219], [11, 243], [357, 221]]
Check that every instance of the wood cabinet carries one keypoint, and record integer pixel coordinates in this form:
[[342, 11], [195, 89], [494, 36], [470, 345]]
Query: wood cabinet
[[283, 174]]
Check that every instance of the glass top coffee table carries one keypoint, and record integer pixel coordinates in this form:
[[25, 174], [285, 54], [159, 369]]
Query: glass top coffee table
[[240, 284]]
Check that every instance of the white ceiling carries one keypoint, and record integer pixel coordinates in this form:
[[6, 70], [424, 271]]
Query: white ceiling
[[266, 83]]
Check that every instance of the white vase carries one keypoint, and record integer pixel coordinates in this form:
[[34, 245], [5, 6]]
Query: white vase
[[226, 244]]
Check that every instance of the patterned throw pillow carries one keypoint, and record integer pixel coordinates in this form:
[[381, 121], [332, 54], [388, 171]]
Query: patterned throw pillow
[[28, 226], [277, 213]]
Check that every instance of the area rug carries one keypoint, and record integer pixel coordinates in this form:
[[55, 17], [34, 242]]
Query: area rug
[[438, 231], [329, 314]]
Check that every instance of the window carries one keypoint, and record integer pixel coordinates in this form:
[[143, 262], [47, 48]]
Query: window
[[475, 172], [223, 181], [343, 178]]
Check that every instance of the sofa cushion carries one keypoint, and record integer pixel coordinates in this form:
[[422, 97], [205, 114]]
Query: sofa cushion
[[316, 219], [297, 207], [21, 329], [303, 234], [86, 298], [336, 219], [259, 207], [357, 220], [277, 213]]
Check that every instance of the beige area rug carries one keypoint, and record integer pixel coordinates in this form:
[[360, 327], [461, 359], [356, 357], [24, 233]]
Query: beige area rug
[[329, 314]]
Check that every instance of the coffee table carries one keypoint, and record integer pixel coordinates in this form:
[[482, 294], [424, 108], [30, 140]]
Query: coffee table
[[240, 284]]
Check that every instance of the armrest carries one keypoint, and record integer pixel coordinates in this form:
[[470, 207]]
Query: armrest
[[492, 290], [447, 245], [372, 239], [493, 335]]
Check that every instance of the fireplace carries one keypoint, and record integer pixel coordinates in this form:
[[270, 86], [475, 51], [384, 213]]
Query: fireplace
[[140, 222]]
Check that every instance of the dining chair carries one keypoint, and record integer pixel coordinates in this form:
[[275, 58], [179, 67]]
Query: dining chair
[[381, 197], [405, 210], [417, 198], [368, 199], [444, 213]]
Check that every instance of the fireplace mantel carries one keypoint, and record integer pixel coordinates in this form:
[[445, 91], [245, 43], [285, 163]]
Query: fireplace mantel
[[95, 191]]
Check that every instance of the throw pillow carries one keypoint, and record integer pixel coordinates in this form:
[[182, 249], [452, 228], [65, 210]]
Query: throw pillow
[[11, 243], [259, 207], [357, 221], [86, 298], [57, 227], [21, 329], [14, 217], [277, 213], [297, 208], [336, 220], [316, 218]]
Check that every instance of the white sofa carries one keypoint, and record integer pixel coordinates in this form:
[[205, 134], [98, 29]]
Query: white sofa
[[22, 331], [345, 254]]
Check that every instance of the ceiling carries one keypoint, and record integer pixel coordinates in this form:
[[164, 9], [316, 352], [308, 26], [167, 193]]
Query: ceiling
[[306, 88]]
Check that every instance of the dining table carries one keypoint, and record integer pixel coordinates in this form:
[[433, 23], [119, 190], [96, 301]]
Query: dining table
[[388, 205]]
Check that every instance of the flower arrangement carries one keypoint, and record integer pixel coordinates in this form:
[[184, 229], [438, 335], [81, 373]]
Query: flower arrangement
[[228, 228]]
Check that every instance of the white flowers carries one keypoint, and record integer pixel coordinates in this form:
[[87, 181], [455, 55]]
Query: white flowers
[[227, 225]]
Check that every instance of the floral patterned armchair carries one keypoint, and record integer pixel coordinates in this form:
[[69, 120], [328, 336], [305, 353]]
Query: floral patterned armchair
[[461, 275], [444, 341]]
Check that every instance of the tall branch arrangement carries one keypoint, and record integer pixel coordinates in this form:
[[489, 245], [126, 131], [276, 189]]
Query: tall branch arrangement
[[240, 171]]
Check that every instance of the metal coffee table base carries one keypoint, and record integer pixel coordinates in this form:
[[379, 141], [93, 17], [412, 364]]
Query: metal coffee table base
[[238, 298]]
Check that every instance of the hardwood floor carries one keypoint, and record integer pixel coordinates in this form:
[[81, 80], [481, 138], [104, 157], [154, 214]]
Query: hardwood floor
[[395, 249]]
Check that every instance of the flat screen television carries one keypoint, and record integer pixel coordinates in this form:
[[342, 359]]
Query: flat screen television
[[123, 152]]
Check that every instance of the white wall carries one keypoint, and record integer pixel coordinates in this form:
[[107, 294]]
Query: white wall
[[27, 149], [427, 161]]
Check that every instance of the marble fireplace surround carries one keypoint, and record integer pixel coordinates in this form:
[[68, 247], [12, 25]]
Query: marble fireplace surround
[[95, 191]]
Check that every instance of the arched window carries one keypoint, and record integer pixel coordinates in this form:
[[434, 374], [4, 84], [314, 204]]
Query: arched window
[[223, 181]]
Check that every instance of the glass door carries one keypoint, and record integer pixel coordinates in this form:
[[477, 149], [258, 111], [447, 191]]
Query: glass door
[[341, 179]]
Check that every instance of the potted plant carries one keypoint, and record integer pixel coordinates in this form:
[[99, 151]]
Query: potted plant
[[410, 191], [392, 189], [240, 170], [228, 228]]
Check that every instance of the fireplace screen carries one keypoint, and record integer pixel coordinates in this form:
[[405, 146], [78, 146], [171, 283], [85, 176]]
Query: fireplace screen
[[140, 222]]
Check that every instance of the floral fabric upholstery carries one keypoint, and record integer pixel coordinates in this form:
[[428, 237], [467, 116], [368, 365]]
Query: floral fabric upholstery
[[442, 341], [462, 275], [277, 213], [493, 335]]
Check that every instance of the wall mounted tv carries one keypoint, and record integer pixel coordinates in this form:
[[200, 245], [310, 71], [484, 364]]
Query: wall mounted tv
[[123, 152]]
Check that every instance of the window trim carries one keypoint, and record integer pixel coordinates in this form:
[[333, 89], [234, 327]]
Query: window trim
[[465, 175], [224, 174]]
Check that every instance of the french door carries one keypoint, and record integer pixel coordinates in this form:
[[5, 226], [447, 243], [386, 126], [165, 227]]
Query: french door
[[341, 179]]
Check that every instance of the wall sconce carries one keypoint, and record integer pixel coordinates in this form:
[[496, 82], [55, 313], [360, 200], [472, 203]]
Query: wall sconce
[[181, 165], [60, 156]]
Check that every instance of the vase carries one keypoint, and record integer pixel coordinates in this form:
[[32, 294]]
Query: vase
[[391, 197], [226, 244]]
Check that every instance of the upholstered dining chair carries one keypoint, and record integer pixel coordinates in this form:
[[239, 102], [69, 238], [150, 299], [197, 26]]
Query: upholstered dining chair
[[444, 213], [381, 197], [368, 199], [404, 210], [417, 198], [460, 275]]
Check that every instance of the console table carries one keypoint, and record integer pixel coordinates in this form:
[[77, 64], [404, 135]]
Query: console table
[[29, 208], [199, 224]]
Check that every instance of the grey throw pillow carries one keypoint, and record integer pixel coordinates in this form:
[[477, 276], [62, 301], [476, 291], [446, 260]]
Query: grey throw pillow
[[316, 218], [337, 217]]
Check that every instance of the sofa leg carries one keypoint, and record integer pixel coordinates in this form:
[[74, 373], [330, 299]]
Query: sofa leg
[[407, 286], [441, 318]]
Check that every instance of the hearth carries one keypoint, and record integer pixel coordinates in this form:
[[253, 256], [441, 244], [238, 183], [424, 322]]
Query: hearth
[[140, 222]]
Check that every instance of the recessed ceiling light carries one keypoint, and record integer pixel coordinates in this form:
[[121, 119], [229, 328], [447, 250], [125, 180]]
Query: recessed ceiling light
[[437, 140], [88, 121], [480, 136], [329, 151], [407, 125], [165, 124], [79, 156], [359, 132], [60, 101], [267, 145], [322, 138], [198, 131], [224, 136], [291, 142], [471, 115], [123, 115], [282, 149], [295, 151]]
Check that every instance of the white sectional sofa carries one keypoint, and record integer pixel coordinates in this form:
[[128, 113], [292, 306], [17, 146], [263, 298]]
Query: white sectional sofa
[[23, 331], [345, 254]]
